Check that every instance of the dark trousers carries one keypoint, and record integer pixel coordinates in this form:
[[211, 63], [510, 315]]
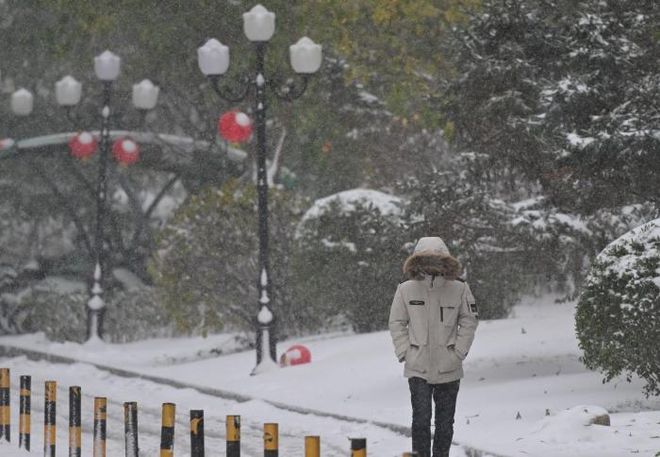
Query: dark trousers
[[444, 397]]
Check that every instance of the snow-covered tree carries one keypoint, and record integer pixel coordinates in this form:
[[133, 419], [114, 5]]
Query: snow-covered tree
[[462, 210], [602, 105], [566, 92], [509, 246]]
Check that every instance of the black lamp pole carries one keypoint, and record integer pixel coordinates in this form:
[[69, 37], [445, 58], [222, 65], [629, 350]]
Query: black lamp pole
[[263, 282], [265, 321], [96, 304]]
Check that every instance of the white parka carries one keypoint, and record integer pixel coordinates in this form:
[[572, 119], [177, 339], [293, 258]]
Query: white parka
[[432, 324]]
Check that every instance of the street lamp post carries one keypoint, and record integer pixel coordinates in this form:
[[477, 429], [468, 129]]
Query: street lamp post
[[68, 93], [106, 67], [305, 56]]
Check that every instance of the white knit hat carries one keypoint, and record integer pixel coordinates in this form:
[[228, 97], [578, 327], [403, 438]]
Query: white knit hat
[[432, 245]]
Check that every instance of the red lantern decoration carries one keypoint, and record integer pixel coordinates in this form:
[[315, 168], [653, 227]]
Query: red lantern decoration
[[126, 151], [83, 145], [6, 143], [235, 127], [296, 355]]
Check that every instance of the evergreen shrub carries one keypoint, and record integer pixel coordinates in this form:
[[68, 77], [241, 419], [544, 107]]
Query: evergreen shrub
[[61, 312], [618, 314], [475, 227], [206, 266], [348, 261]]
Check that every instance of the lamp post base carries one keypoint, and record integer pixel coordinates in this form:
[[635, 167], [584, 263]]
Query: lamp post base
[[265, 360], [265, 366], [94, 325]]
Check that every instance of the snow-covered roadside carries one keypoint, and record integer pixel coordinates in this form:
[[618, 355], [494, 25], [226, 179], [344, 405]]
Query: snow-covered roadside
[[10, 450], [150, 396], [526, 366], [153, 352]]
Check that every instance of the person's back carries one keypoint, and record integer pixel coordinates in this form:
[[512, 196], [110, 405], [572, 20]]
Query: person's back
[[432, 322]]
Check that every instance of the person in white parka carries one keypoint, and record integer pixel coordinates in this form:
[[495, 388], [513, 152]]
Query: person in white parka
[[432, 322]]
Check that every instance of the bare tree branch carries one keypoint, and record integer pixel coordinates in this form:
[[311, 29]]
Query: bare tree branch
[[276, 164]]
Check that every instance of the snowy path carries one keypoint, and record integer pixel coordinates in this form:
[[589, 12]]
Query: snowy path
[[518, 371]]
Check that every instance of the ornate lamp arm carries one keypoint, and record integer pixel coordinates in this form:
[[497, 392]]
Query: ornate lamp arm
[[291, 89], [228, 94]]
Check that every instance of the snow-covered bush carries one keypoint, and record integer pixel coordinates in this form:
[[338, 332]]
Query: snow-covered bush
[[449, 204], [560, 245], [54, 306], [618, 314], [348, 257], [136, 314], [58, 307], [205, 268]]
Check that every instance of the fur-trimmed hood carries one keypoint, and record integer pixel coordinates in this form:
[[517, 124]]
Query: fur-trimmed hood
[[431, 257], [424, 263]]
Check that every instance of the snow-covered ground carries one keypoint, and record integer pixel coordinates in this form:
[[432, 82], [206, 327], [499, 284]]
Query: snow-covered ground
[[525, 391]]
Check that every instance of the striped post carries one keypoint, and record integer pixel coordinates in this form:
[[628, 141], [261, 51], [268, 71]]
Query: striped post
[[197, 433], [312, 446], [50, 431], [24, 420], [358, 447], [74, 421], [5, 410], [131, 429], [167, 430], [100, 422], [233, 436], [271, 440]]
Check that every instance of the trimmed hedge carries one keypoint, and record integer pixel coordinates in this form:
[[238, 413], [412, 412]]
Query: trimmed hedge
[[618, 314]]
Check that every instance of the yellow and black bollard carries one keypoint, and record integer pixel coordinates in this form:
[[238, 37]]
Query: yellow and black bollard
[[100, 423], [197, 433], [233, 436], [312, 446], [5, 409], [271, 440], [50, 430], [24, 419], [167, 430], [131, 429], [358, 447], [74, 421], [410, 454]]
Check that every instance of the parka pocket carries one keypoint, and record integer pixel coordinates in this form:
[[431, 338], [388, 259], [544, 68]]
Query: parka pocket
[[415, 358], [449, 360], [450, 315]]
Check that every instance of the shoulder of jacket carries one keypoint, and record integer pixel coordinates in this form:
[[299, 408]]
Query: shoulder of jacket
[[458, 285], [410, 283]]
